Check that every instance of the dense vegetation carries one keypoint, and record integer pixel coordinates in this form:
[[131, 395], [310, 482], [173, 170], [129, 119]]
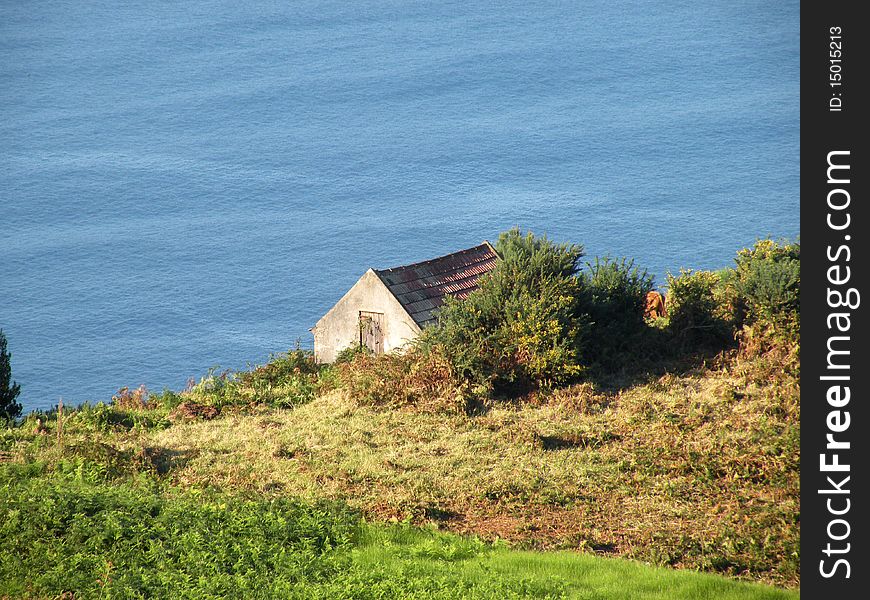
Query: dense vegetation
[[67, 530], [72, 529], [9, 390], [543, 413], [524, 325], [541, 321], [757, 301]]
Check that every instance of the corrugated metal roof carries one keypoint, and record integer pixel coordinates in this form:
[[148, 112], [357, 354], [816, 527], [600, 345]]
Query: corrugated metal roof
[[421, 287]]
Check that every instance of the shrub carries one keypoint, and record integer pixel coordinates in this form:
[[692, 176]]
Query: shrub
[[9, 390], [167, 399], [614, 297], [287, 380], [135, 399], [108, 418], [767, 282], [350, 353], [696, 316], [537, 322], [282, 367], [425, 381], [521, 328], [546, 333], [763, 294], [757, 301], [215, 388]]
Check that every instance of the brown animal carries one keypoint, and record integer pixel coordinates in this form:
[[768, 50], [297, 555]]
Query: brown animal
[[655, 306]]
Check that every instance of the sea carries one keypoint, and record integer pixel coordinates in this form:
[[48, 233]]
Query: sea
[[191, 185]]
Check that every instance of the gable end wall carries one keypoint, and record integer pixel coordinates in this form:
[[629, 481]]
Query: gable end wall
[[339, 328]]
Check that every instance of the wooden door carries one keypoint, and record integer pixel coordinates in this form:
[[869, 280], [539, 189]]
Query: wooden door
[[371, 333]]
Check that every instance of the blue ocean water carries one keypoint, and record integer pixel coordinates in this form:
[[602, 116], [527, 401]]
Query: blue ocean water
[[190, 184]]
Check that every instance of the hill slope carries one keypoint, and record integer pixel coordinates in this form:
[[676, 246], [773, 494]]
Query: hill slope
[[698, 470]]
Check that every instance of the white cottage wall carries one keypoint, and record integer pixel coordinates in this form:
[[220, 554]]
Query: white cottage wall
[[339, 328]]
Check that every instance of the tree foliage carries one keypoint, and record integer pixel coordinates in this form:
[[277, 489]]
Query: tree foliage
[[695, 312], [614, 298], [759, 297], [9, 390], [522, 327]]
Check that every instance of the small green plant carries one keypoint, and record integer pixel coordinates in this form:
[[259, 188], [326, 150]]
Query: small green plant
[[112, 418], [287, 380], [350, 353]]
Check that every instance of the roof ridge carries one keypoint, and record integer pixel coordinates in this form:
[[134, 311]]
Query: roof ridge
[[437, 258]]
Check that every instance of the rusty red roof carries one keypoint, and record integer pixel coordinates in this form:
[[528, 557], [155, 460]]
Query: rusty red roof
[[421, 287]]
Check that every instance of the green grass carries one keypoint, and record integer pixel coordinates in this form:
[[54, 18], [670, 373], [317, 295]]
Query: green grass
[[65, 529], [474, 566], [697, 471]]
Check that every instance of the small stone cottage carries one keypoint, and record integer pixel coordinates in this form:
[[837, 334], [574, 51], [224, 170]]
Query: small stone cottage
[[387, 308]]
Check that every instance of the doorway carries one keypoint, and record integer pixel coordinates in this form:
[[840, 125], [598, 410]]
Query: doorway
[[371, 333]]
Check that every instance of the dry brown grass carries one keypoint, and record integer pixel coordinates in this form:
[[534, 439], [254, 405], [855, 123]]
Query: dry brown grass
[[697, 471]]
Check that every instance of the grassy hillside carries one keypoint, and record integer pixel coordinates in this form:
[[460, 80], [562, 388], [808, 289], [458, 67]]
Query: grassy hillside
[[697, 471]]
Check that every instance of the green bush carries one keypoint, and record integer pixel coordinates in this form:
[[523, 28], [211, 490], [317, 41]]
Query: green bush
[[696, 316], [764, 290], [350, 353], [545, 330], [614, 298], [167, 400], [285, 366], [767, 282], [105, 418], [538, 322], [756, 301], [528, 259], [522, 327], [9, 390], [287, 380]]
